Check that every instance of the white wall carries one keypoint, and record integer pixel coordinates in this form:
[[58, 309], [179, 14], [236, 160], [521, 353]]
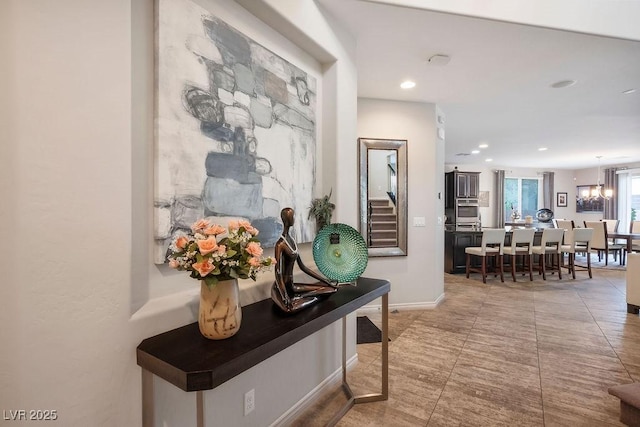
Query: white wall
[[79, 289], [417, 279]]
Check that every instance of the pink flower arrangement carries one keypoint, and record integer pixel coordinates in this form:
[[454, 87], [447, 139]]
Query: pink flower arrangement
[[213, 253]]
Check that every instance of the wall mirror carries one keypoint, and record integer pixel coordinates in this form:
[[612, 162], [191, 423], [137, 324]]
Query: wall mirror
[[383, 195]]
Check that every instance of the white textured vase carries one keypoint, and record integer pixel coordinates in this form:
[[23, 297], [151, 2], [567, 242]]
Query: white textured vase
[[220, 313]]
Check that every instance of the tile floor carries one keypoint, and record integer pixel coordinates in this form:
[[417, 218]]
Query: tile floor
[[539, 353]]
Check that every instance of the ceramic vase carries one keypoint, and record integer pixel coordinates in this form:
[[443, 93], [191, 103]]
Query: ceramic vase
[[220, 313]]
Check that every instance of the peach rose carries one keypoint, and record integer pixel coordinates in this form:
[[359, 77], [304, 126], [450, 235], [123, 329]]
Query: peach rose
[[254, 262], [181, 242], [200, 224], [205, 267], [248, 227], [207, 246], [254, 249], [214, 230], [233, 224], [174, 263], [251, 230], [222, 249]]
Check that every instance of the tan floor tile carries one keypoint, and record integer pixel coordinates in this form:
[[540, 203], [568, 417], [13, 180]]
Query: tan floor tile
[[541, 353]]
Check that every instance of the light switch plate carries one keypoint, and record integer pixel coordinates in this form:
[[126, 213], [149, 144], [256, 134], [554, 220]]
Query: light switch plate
[[419, 221]]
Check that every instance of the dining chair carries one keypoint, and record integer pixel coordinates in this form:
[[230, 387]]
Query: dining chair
[[550, 244], [521, 244], [577, 240], [612, 224], [567, 224], [492, 246], [600, 241], [612, 227]]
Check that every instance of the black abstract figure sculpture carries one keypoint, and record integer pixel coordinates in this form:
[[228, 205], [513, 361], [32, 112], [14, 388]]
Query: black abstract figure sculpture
[[289, 296]]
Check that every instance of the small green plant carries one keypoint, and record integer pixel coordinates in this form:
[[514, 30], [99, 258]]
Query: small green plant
[[322, 209], [633, 214]]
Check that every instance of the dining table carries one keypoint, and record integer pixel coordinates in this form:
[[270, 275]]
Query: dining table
[[629, 238]]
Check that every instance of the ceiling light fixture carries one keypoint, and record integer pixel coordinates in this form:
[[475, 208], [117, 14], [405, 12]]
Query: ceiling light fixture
[[439, 60], [488, 160], [628, 91], [475, 151], [408, 84], [483, 145], [563, 83], [542, 149], [597, 192]]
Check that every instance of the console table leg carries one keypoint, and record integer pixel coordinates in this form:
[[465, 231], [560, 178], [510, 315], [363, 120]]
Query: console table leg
[[200, 408], [385, 347], [147, 399], [384, 374], [374, 397]]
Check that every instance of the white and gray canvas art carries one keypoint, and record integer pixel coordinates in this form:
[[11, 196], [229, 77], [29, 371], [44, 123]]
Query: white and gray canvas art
[[235, 129]]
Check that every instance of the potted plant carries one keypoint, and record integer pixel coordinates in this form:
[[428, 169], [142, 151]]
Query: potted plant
[[322, 209]]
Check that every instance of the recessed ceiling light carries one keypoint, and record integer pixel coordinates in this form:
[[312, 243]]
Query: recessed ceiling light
[[542, 149], [488, 160], [628, 91], [407, 84], [439, 59], [475, 151], [483, 145], [563, 83]]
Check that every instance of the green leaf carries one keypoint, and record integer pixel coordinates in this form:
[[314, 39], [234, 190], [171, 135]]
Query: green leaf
[[233, 274], [210, 281]]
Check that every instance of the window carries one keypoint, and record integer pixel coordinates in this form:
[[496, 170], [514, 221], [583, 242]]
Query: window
[[635, 198], [522, 195], [629, 197]]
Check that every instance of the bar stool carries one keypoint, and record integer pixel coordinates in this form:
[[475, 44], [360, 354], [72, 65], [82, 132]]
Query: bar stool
[[577, 240], [492, 246], [566, 224], [521, 244], [550, 245]]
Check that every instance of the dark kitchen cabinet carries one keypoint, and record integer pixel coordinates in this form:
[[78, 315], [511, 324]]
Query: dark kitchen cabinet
[[461, 185]]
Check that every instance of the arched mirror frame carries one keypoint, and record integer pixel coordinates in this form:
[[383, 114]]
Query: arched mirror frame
[[400, 146]]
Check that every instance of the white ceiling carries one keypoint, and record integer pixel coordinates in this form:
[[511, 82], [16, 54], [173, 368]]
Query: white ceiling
[[496, 87]]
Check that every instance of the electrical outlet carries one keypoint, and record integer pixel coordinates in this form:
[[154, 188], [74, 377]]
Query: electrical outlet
[[249, 401]]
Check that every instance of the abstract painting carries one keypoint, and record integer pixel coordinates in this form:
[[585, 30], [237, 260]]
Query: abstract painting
[[235, 129]]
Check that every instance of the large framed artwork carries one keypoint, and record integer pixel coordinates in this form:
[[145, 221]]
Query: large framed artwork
[[235, 129], [586, 202]]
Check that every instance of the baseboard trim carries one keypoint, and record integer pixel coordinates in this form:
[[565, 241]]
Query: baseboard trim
[[427, 305], [332, 381]]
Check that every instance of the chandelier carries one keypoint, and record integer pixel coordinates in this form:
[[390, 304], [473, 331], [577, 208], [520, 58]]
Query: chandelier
[[598, 192]]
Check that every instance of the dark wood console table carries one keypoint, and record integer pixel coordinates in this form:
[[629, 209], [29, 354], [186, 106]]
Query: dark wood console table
[[186, 359]]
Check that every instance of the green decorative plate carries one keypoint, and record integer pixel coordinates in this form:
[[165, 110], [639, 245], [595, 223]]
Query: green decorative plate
[[340, 252]]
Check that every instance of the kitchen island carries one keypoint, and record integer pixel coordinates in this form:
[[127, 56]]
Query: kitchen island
[[456, 239]]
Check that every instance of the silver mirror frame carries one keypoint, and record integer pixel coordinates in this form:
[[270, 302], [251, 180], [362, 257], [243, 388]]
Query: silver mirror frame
[[400, 146]]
